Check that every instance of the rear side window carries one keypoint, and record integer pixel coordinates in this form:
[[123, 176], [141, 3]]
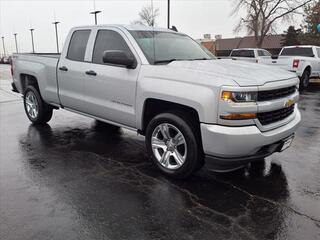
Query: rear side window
[[263, 53], [108, 40], [78, 45], [318, 51], [297, 51], [243, 53]]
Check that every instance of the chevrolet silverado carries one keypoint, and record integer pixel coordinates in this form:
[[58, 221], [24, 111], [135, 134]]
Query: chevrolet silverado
[[191, 108]]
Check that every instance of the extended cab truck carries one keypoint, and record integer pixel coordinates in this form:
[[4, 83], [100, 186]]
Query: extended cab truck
[[249, 54], [303, 60], [191, 107]]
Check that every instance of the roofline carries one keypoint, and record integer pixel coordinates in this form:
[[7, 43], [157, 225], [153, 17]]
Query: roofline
[[127, 27], [271, 35], [248, 49], [293, 46]]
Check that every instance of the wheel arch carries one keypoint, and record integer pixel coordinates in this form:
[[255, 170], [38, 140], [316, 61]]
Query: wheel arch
[[153, 107], [308, 68], [27, 80]]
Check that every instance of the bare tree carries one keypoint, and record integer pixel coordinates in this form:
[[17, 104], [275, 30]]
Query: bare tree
[[147, 16], [262, 15]]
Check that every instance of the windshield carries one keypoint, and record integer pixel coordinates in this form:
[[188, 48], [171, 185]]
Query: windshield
[[165, 47], [297, 51]]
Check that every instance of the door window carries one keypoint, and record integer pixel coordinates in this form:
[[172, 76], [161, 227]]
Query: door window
[[108, 40], [235, 53], [78, 45]]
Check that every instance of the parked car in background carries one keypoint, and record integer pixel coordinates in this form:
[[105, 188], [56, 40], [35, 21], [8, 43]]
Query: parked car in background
[[191, 107], [303, 60], [249, 54], [5, 60]]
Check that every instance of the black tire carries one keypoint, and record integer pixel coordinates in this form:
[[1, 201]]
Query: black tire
[[44, 112], [304, 79], [194, 159]]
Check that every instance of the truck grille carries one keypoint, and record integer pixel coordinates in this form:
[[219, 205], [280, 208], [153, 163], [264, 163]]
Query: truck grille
[[276, 93], [266, 118]]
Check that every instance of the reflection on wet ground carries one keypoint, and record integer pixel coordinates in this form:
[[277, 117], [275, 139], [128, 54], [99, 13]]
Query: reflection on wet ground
[[79, 179]]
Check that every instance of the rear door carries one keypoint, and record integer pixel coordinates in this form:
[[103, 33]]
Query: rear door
[[71, 70], [110, 92]]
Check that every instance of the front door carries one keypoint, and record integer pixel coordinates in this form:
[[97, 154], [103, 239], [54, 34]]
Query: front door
[[109, 89]]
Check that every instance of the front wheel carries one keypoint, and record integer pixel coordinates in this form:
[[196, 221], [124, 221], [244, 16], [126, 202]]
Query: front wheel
[[173, 145], [36, 109]]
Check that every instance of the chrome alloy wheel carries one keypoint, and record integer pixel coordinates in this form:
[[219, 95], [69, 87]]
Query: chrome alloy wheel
[[32, 105], [169, 146]]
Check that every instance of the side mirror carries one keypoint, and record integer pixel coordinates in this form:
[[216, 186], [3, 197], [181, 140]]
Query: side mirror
[[118, 57]]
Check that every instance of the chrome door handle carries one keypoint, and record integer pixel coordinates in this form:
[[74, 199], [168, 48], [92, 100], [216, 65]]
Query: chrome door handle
[[91, 72], [63, 68]]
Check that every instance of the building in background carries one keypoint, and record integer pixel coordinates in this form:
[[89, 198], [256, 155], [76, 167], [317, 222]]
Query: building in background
[[223, 47], [208, 42]]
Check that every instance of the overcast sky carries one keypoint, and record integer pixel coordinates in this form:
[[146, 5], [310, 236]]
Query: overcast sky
[[194, 17]]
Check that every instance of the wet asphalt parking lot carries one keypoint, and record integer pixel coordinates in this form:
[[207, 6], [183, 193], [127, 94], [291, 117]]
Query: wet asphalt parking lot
[[77, 179]]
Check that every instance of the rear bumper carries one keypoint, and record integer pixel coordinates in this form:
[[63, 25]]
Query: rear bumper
[[234, 146]]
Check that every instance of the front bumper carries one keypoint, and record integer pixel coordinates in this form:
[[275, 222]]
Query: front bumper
[[14, 88], [233, 146]]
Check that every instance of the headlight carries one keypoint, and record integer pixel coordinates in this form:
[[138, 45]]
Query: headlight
[[239, 96]]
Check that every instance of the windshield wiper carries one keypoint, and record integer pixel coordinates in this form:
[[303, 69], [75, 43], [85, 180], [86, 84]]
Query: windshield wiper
[[167, 61], [174, 59], [198, 59]]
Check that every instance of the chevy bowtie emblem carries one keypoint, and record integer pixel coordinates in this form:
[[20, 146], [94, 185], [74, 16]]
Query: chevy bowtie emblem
[[289, 103]]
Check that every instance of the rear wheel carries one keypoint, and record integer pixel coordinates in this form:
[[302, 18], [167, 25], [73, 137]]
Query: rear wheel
[[304, 79], [173, 145], [36, 109]]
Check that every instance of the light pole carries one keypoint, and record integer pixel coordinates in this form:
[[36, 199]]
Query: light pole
[[95, 16], [15, 39], [4, 48], [31, 30], [168, 14], [57, 39]]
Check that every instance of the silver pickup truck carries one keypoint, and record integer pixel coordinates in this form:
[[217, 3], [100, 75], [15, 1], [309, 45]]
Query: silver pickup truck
[[190, 107]]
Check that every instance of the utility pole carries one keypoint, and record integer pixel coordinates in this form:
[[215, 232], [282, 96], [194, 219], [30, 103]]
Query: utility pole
[[15, 39], [31, 30], [95, 12], [168, 14], [95, 16], [57, 39], [4, 48]]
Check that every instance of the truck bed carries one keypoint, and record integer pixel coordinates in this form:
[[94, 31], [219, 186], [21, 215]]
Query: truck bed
[[43, 66], [50, 55]]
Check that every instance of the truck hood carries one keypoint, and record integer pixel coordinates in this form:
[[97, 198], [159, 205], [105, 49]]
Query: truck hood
[[243, 73]]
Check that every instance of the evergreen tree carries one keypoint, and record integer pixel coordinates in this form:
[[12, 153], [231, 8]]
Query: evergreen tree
[[311, 20], [291, 37]]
